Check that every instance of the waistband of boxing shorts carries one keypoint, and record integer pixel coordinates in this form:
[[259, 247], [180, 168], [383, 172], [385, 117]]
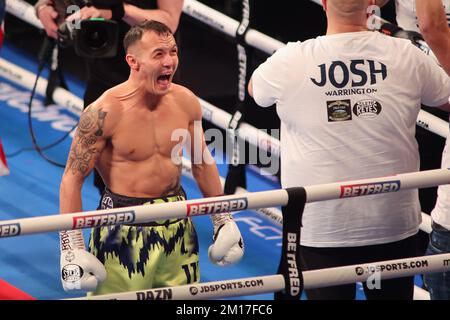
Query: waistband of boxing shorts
[[111, 200]]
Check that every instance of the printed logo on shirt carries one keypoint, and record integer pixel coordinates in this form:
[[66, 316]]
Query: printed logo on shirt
[[339, 110], [356, 73], [367, 109]]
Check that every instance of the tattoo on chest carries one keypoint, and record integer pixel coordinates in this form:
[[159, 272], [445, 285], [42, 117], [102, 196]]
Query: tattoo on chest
[[83, 150]]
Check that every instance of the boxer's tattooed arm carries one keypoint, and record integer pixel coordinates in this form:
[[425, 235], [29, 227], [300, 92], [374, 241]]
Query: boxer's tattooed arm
[[79, 160], [84, 147]]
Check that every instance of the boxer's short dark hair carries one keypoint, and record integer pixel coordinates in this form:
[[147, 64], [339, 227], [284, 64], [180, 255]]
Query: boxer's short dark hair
[[135, 33]]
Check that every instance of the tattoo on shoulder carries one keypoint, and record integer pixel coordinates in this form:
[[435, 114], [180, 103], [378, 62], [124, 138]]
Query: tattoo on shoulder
[[90, 128]]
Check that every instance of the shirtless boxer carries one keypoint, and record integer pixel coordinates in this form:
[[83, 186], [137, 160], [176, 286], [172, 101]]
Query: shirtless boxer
[[126, 136]]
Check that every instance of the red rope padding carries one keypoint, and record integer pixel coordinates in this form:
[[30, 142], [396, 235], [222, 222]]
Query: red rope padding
[[9, 292], [3, 165]]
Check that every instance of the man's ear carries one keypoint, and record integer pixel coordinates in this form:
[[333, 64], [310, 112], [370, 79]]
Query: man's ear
[[324, 5], [132, 61]]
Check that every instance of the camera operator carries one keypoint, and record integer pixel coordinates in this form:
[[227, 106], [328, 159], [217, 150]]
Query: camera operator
[[104, 73]]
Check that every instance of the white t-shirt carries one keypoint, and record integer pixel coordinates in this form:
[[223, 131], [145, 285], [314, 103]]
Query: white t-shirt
[[348, 105], [406, 14]]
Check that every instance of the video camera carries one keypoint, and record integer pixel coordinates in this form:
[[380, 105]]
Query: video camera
[[92, 38]]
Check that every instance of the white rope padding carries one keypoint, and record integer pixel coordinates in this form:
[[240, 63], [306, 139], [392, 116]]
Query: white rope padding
[[228, 26], [24, 11], [272, 213], [312, 279], [423, 179], [214, 205], [275, 214], [432, 123], [319, 2], [421, 294]]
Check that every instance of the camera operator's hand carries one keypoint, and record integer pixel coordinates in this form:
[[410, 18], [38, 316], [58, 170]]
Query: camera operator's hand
[[90, 12], [48, 15]]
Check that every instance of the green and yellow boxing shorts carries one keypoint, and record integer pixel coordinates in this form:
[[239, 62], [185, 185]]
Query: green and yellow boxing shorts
[[144, 256]]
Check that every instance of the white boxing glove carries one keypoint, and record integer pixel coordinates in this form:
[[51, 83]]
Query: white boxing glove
[[80, 270], [228, 246]]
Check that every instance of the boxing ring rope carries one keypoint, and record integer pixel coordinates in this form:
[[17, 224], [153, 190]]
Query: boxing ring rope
[[388, 269], [274, 214], [312, 279], [24, 11], [214, 205], [319, 2]]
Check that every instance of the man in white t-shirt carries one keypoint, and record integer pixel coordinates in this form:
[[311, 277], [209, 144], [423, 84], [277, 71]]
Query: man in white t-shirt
[[348, 103]]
